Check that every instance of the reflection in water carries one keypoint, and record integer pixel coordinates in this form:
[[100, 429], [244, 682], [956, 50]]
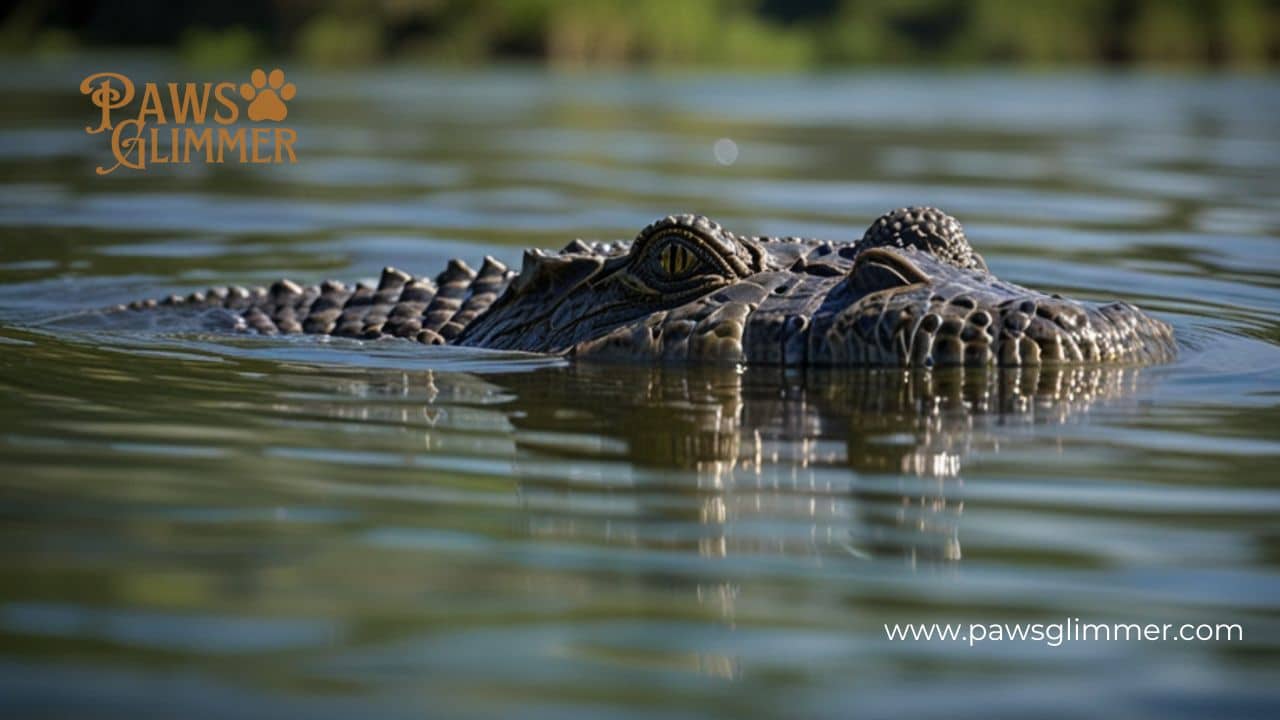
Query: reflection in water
[[736, 466], [229, 524], [769, 450], [742, 462]]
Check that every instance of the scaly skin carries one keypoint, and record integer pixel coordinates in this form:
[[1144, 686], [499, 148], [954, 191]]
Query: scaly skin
[[911, 293]]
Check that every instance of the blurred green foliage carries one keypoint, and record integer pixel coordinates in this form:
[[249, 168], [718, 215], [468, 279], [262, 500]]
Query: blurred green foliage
[[716, 33], [214, 48]]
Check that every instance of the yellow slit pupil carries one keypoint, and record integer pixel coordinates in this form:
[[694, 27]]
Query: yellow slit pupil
[[676, 260]]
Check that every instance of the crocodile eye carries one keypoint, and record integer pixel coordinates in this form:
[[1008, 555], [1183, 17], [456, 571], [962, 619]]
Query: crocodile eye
[[674, 258], [677, 261], [882, 268]]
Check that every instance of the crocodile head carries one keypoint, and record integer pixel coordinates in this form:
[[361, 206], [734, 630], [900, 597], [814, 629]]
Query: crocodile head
[[911, 292]]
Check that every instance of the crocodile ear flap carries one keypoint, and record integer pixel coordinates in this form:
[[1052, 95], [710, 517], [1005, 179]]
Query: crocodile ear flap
[[883, 269]]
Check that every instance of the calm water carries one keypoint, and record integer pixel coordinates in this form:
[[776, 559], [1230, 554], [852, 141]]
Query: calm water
[[208, 526]]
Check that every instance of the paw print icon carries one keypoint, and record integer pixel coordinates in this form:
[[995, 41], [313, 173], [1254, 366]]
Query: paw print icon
[[267, 95]]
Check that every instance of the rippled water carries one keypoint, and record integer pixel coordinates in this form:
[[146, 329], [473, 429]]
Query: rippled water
[[213, 526]]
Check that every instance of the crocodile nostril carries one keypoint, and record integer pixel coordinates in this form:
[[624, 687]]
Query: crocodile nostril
[[781, 290]]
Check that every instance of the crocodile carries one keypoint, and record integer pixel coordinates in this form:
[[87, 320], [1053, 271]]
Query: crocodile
[[912, 292]]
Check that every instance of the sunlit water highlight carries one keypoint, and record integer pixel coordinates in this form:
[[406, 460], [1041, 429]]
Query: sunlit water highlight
[[216, 526]]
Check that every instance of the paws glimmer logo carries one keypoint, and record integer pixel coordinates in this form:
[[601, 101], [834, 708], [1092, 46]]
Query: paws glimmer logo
[[268, 103], [192, 122]]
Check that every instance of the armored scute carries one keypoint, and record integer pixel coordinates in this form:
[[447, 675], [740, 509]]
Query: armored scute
[[911, 293]]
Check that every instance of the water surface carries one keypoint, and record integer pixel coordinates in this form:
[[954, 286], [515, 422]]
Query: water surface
[[208, 526]]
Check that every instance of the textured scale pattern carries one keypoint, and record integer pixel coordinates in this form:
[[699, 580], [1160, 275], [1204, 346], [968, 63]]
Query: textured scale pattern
[[401, 305], [911, 293], [923, 228]]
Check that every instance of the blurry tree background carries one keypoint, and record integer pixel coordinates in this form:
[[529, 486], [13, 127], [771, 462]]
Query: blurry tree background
[[758, 34]]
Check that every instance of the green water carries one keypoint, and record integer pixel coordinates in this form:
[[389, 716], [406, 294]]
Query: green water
[[203, 525]]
